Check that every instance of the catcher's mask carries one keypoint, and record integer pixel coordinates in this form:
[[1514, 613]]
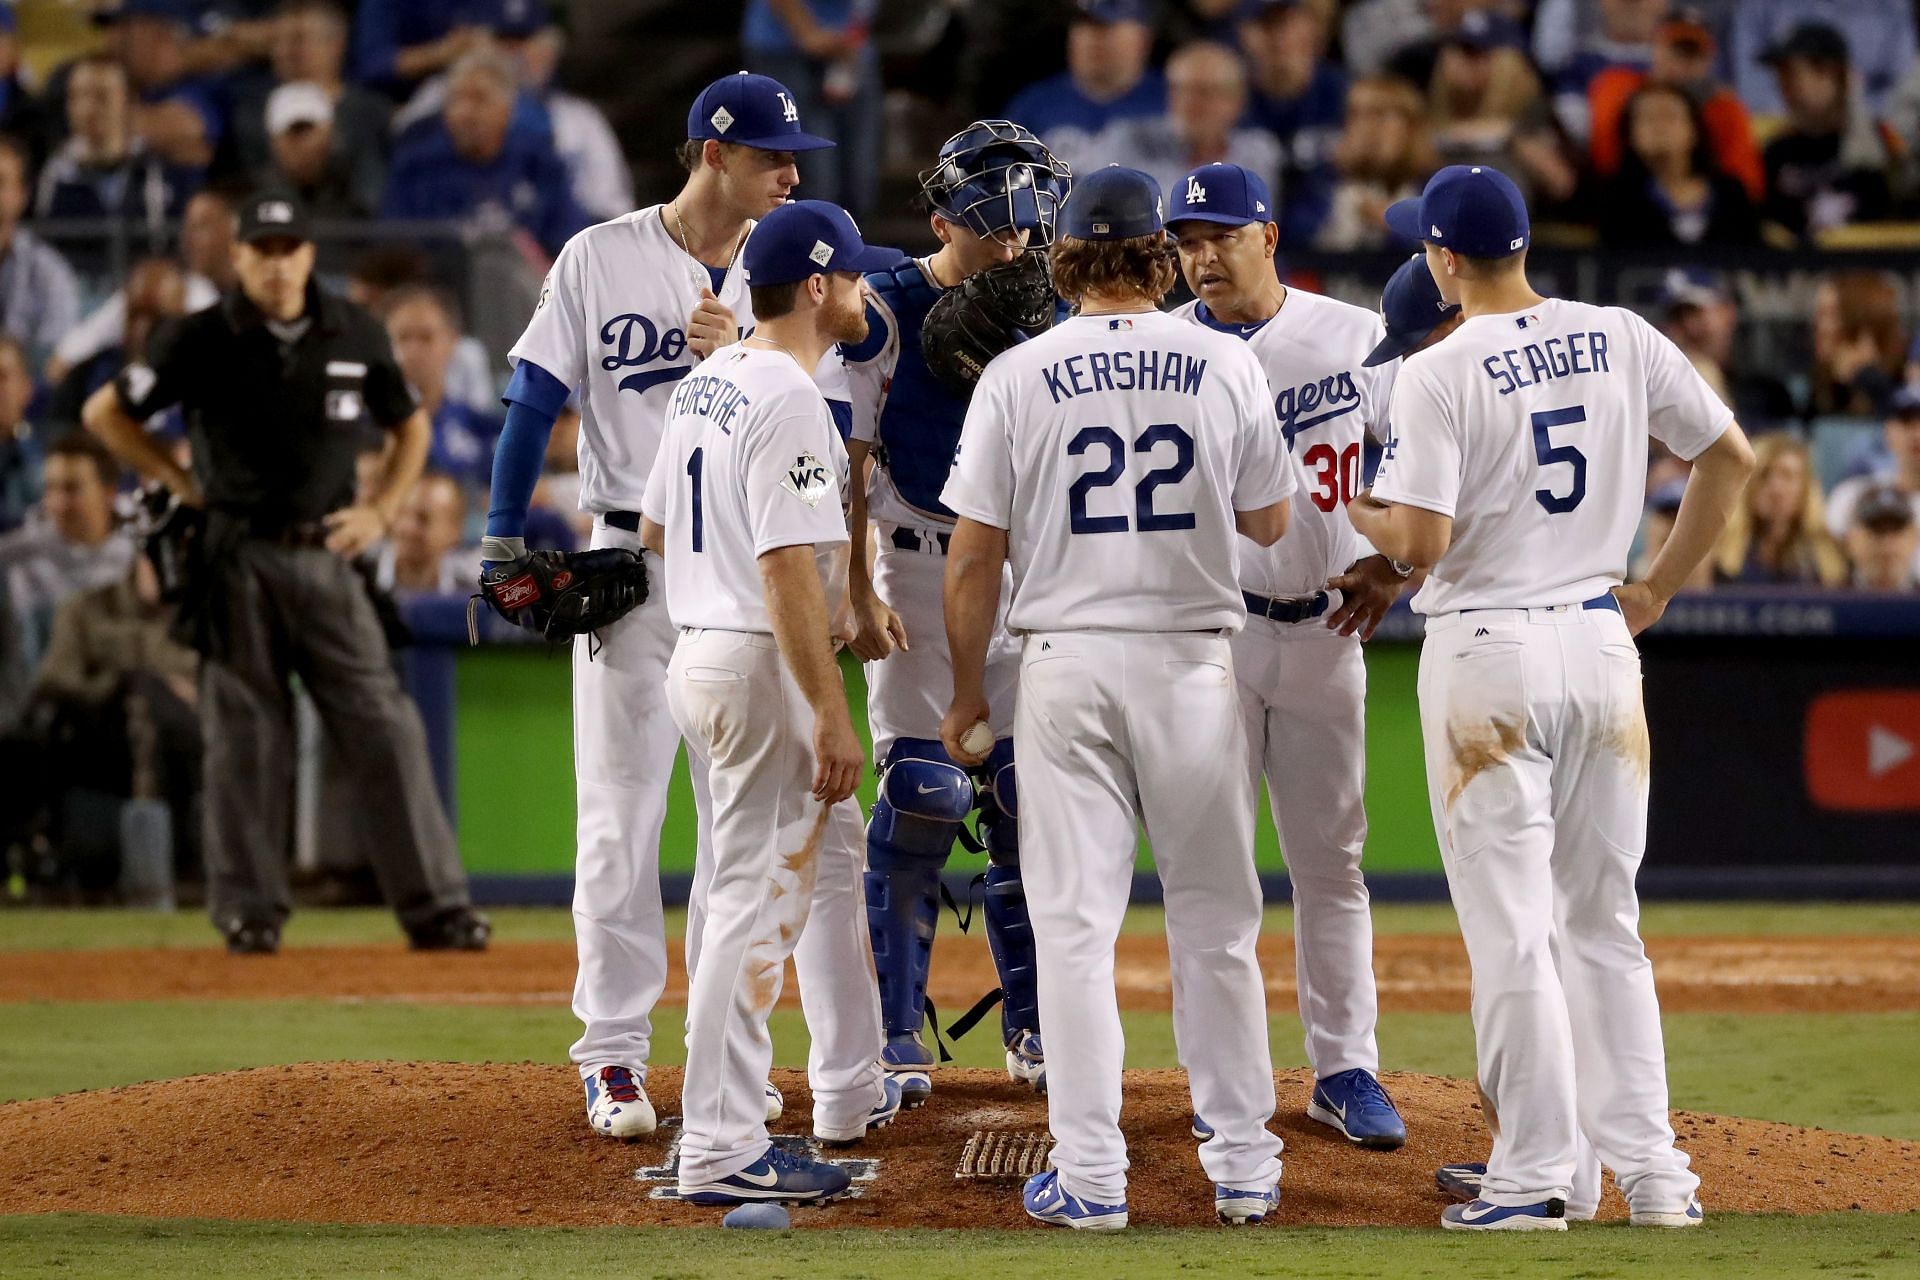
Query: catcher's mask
[[994, 175]]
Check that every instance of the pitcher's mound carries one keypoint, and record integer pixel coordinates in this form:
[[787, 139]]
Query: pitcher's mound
[[460, 1145]]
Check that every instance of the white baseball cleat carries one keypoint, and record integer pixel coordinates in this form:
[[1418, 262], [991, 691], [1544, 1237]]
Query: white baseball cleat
[[1691, 1216], [776, 1103], [617, 1105]]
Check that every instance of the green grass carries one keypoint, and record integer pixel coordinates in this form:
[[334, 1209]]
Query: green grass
[[1852, 1245]]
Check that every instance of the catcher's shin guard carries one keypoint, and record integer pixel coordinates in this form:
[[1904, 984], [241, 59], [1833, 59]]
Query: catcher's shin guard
[[1009, 929], [924, 798]]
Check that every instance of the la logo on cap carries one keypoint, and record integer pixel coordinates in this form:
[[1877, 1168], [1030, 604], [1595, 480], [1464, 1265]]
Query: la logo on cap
[[822, 252], [1196, 194], [792, 112], [276, 211]]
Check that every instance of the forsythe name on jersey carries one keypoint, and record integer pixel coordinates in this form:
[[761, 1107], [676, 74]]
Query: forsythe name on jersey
[[1124, 371], [711, 397], [1555, 358]]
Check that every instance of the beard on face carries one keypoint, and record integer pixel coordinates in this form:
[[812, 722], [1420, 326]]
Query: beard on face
[[847, 322]]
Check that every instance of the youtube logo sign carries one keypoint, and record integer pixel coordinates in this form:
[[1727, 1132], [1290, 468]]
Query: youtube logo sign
[[1863, 750]]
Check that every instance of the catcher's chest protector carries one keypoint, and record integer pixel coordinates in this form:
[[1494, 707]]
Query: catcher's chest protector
[[920, 421]]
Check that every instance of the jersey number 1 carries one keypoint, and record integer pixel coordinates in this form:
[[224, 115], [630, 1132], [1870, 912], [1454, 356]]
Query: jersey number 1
[[1549, 453], [695, 462]]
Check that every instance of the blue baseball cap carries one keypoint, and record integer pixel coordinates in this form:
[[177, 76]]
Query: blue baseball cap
[[808, 238], [1230, 194], [1114, 11], [751, 111], [1412, 307], [1469, 208], [1114, 204]]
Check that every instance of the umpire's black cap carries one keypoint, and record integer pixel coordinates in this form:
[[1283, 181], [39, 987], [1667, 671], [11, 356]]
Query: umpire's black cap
[[273, 215], [1114, 204]]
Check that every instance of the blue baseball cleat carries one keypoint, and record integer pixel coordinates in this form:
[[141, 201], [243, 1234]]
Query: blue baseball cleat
[[1354, 1103], [1460, 1182], [879, 1118], [1200, 1129], [776, 1175], [1478, 1215], [1238, 1207], [1047, 1201], [1691, 1216], [910, 1062]]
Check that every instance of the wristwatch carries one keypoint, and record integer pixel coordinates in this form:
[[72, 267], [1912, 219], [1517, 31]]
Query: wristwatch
[[1404, 570]]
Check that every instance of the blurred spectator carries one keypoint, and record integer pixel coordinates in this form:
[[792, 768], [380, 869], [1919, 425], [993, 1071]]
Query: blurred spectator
[[1663, 508], [1669, 190], [306, 159], [1831, 164], [1383, 154], [309, 45], [206, 253], [39, 296], [1107, 79], [399, 42], [1206, 98], [469, 164], [1902, 433], [22, 113], [20, 461], [103, 169], [70, 547], [1858, 345], [425, 328], [378, 272], [1485, 106], [1682, 59], [1702, 318], [1778, 533], [1299, 97], [179, 117], [821, 50], [156, 290], [1883, 540], [1624, 41], [424, 554], [1880, 33]]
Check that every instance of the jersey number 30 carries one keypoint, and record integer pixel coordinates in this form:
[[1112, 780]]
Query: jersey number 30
[[1549, 453], [1145, 518]]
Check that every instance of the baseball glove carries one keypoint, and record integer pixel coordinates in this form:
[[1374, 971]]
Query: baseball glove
[[985, 314], [562, 594]]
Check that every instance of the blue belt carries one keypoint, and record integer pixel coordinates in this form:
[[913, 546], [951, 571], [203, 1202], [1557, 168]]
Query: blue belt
[[1288, 609], [1607, 601], [908, 540]]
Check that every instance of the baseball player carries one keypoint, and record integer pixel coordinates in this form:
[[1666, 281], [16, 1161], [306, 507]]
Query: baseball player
[[744, 504], [993, 194], [627, 310], [1311, 599], [1112, 460], [1515, 471]]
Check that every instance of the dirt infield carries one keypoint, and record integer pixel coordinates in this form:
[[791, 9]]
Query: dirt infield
[[461, 1145], [1417, 973]]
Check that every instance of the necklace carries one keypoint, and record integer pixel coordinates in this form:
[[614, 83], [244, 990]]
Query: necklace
[[756, 337], [686, 243]]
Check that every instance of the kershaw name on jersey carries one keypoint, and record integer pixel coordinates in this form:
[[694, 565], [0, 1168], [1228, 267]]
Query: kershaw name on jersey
[[1326, 404]]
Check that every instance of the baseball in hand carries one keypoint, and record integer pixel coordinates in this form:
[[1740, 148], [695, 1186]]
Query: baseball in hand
[[977, 740]]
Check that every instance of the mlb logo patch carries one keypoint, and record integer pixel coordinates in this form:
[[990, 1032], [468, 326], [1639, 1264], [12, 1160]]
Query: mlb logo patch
[[1526, 321], [344, 406], [1119, 324]]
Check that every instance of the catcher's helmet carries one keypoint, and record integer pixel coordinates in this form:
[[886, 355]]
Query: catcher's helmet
[[994, 175]]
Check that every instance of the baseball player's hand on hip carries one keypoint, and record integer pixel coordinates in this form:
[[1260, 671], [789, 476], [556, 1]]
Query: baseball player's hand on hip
[[965, 713], [711, 326], [1639, 605], [878, 630], [1367, 590], [837, 756], [351, 530]]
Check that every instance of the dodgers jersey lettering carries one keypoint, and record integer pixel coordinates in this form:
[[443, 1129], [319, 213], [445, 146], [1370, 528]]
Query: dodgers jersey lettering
[[1118, 500], [1530, 430], [1327, 404], [749, 461]]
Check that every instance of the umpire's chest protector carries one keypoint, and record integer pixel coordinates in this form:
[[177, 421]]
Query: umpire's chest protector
[[920, 422]]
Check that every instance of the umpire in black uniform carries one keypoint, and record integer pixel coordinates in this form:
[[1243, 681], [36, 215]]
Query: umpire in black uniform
[[277, 382]]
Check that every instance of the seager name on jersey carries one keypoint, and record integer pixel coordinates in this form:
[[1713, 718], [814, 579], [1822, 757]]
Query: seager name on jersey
[[1124, 371], [712, 398], [1544, 361]]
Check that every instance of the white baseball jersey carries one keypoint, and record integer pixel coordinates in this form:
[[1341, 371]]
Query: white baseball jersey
[[750, 461], [1114, 450], [1327, 403], [1530, 430], [611, 321]]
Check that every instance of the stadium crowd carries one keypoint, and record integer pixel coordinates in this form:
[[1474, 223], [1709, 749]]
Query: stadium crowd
[[1767, 126]]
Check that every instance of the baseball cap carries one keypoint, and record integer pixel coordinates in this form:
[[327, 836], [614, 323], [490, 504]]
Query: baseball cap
[[1412, 307], [273, 215], [751, 111], [1230, 194], [301, 102], [1812, 40], [1113, 11], [1882, 508], [1471, 209], [808, 238], [1114, 204], [1905, 403], [1484, 29]]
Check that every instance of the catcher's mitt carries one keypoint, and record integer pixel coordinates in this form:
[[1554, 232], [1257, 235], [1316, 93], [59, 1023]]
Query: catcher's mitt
[[562, 594], [985, 314]]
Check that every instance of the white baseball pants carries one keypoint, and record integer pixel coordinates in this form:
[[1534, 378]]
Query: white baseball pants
[[1116, 731]]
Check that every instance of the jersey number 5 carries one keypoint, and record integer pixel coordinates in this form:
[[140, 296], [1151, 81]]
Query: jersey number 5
[[1549, 453], [1146, 519]]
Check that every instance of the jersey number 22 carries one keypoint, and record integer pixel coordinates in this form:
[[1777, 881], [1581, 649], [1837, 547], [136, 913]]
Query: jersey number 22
[[1145, 518]]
